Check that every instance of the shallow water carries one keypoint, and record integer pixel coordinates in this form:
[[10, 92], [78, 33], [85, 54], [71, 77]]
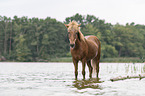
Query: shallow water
[[57, 79]]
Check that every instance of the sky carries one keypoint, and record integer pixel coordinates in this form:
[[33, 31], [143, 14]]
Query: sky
[[112, 11]]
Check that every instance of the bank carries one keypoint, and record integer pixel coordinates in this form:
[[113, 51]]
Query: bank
[[115, 60]]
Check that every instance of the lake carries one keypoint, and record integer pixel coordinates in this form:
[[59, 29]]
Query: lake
[[57, 79]]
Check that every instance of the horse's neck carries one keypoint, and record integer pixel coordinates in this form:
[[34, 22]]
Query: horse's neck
[[79, 44]]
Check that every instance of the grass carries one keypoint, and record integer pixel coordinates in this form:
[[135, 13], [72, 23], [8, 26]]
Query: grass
[[62, 59], [123, 60], [115, 60]]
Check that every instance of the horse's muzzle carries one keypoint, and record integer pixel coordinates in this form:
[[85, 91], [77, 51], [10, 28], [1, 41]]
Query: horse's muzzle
[[72, 45]]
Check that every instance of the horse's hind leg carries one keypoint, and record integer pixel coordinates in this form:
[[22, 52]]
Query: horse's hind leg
[[97, 68], [96, 62], [90, 68]]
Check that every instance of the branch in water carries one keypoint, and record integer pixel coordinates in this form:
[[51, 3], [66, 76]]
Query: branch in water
[[140, 76]]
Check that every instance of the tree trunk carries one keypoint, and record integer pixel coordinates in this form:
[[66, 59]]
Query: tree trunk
[[120, 52], [10, 46], [5, 39], [37, 46]]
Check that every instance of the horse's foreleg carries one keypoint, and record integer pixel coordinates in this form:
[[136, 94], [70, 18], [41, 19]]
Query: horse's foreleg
[[76, 68], [90, 68], [83, 68]]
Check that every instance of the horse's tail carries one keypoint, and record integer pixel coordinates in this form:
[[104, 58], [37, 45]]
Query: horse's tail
[[96, 60], [93, 64]]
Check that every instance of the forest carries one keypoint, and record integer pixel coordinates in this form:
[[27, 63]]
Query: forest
[[26, 39]]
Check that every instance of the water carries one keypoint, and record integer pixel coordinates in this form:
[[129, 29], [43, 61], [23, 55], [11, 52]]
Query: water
[[57, 79]]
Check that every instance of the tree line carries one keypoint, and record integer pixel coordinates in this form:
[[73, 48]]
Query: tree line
[[34, 39]]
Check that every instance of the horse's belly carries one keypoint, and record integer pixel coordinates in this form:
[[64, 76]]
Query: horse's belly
[[92, 50], [91, 55]]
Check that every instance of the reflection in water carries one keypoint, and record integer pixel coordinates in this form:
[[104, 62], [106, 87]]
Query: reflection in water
[[144, 68], [135, 69], [131, 69], [90, 83], [127, 68]]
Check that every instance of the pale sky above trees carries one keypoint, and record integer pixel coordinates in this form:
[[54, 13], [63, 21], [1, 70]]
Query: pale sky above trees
[[112, 11]]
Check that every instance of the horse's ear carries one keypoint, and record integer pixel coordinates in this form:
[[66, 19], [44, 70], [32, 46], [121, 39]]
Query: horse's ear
[[79, 25], [66, 25], [78, 34]]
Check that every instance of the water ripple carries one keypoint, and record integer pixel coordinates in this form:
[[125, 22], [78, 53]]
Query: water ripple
[[57, 79]]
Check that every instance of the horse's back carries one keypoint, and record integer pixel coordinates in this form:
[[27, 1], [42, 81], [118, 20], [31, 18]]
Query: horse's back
[[93, 39]]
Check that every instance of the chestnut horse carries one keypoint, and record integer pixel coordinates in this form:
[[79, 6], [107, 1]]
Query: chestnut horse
[[84, 49]]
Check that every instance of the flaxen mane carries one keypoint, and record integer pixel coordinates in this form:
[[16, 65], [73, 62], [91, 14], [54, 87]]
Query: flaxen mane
[[75, 26]]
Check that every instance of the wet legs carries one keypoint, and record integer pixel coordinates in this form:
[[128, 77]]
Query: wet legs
[[90, 68], [83, 68], [97, 68], [76, 68]]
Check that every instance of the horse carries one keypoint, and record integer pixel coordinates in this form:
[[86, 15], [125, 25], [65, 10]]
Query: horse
[[85, 49]]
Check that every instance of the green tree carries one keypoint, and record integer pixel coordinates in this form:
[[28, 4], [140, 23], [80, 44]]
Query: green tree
[[108, 51], [89, 29], [22, 51], [34, 39]]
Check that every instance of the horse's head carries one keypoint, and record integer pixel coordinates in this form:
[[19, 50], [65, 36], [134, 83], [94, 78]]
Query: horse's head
[[73, 32]]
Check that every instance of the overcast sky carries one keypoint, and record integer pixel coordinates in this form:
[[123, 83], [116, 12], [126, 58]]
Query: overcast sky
[[112, 11]]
